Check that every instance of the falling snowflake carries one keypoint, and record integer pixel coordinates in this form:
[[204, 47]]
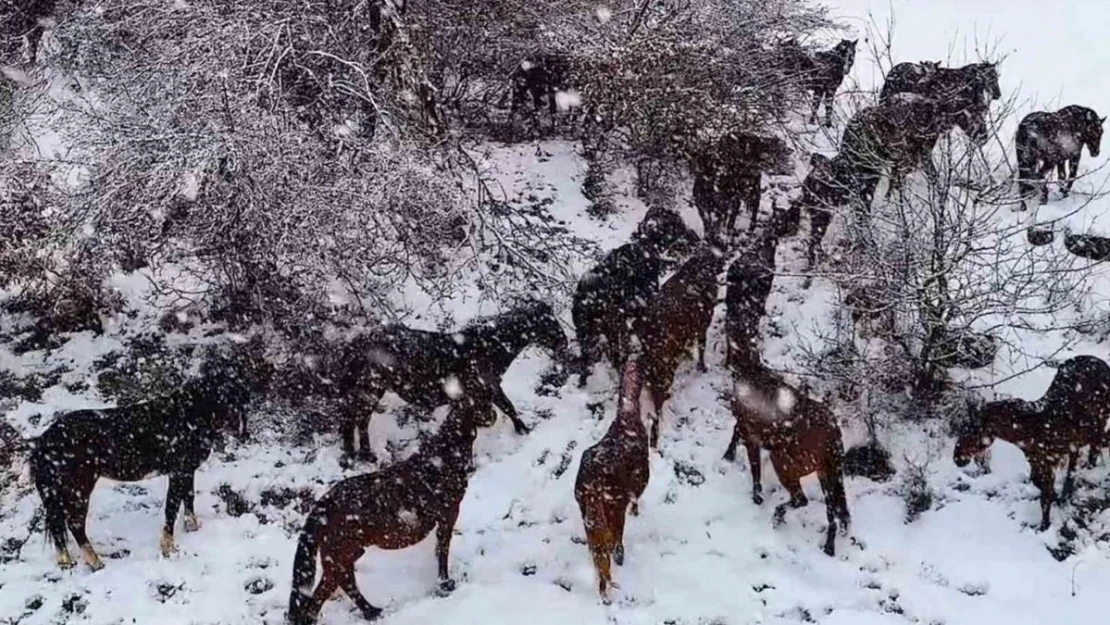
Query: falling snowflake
[[603, 14], [452, 387]]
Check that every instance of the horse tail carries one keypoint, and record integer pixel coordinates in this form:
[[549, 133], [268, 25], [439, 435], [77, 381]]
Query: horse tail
[[304, 567], [47, 483]]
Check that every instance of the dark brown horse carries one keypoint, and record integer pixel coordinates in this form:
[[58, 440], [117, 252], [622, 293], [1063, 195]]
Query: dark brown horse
[[898, 137], [171, 436], [748, 285], [678, 317], [826, 188], [802, 437], [611, 478], [1072, 414], [729, 175], [612, 295], [415, 364], [539, 78], [975, 84], [1048, 141], [393, 508], [822, 74]]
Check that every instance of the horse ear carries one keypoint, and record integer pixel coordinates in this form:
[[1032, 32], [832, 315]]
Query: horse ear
[[1102, 120]]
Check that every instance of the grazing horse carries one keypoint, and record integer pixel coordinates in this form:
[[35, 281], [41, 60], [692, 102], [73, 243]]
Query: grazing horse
[[899, 137], [1047, 141], [393, 508], [1072, 414], [972, 84], [539, 78], [678, 316], [730, 175], [612, 295], [823, 73], [802, 437], [170, 436], [748, 285], [826, 187], [611, 478], [416, 364]]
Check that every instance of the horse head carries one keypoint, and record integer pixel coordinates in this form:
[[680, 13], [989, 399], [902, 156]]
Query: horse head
[[987, 75], [775, 158], [1092, 131], [846, 50], [539, 322], [972, 439], [665, 231]]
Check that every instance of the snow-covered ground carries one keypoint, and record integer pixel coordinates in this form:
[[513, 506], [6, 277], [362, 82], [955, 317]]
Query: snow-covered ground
[[700, 552]]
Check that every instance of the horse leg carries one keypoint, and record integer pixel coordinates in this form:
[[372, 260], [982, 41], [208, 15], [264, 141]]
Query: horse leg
[[600, 542], [329, 583], [818, 95], [658, 398], [1042, 477], [700, 346], [828, 98], [1069, 476], [1046, 169], [836, 507], [618, 532], [617, 345], [755, 465], [445, 527], [587, 349], [350, 586], [506, 406], [793, 485], [1069, 178], [76, 512], [55, 513], [818, 224], [751, 195], [175, 496], [188, 495]]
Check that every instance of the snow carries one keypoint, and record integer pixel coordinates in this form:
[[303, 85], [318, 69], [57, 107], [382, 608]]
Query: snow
[[700, 552]]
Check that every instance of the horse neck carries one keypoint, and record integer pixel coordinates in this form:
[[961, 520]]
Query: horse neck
[[503, 339], [1013, 425], [451, 448]]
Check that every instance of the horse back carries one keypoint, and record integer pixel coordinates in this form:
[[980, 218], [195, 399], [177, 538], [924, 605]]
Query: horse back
[[129, 443]]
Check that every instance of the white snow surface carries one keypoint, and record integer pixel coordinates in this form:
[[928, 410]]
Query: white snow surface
[[700, 552]]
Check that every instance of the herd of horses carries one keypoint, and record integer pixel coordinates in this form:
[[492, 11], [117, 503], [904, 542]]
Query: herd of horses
[[646, 326]]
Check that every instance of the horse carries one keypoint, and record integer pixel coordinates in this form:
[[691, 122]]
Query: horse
[[1072, 414], [802, 437], [975, 83], [612, 476], [899, 137], [904, 76], [825, 188], [748, 285], [821, 74], [1047, 141], [170, 436], [415, 364], [612, 295], [730, 175], [678, 316], [538, 78], [393, 508]]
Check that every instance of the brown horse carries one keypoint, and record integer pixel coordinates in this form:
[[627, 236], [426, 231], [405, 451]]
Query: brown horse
[[802, 436], [678, 317], [611, 477], [394, 508], [1072, 414]]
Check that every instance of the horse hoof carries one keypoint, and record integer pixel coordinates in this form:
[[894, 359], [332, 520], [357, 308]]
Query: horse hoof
[[521, 429], [166, 545], [730, 456], [618, 555], [829, 550], [446, 587], [192, 523], [757, 499]]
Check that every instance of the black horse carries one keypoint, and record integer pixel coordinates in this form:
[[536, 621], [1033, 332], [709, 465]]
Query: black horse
[[537, 79], [612, 295], [1047, 141], [170, 436], [975, 84], [899, 137], [424, 368], [826, 188], [822, 74], [731, 174]]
